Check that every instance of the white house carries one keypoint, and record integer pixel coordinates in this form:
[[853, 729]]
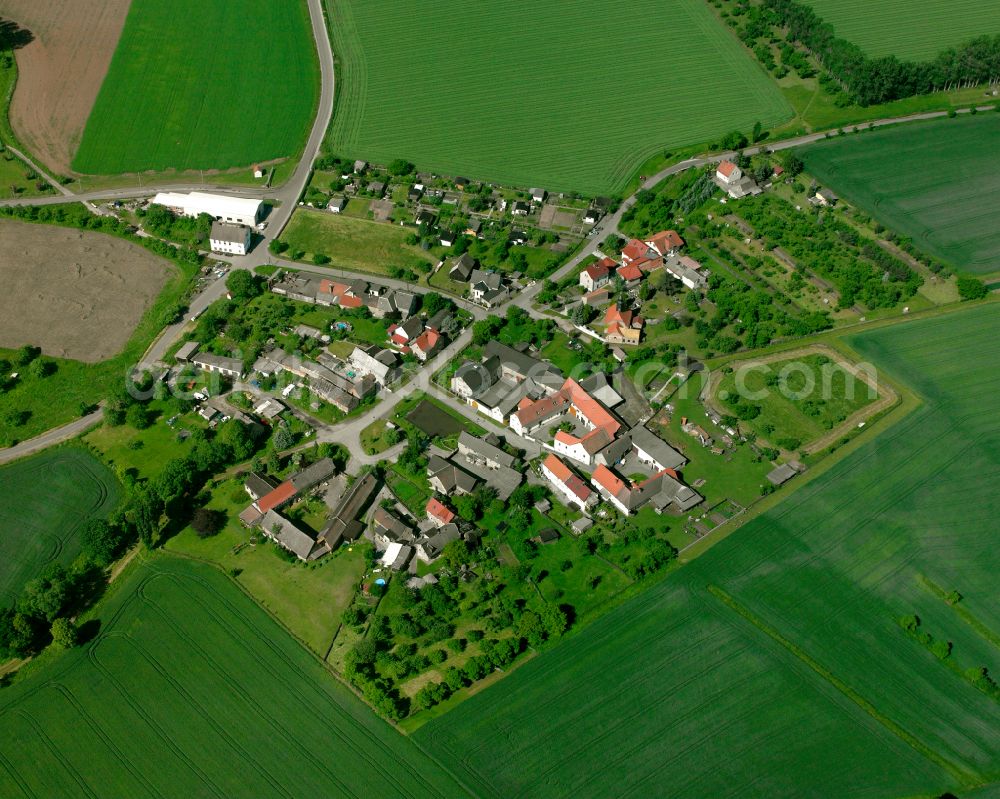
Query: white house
[[567, 485], [238, 210], [231, 367], [728, 173], [229, 239], [685, 269]]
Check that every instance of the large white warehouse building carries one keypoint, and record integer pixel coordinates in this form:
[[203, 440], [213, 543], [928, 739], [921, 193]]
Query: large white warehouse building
[[238, 210]]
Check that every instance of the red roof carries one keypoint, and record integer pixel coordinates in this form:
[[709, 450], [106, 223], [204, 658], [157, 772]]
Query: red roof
[[779, 170], [439, 511], [608, 480], [629, 273], [646, 264], [276, 498], [635, 249], [726, 168], [564, 475], [596, 271], [665, 240], [427, 341]]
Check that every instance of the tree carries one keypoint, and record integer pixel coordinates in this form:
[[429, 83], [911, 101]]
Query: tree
[[485, 330], [138, 417], [64, 633], [100, 541], [970, 288], [793, 164], [40, 368], [455, 553], [283, 438], [434, 302], [26, 355], [208, 522], [399, 167], [243, 285]]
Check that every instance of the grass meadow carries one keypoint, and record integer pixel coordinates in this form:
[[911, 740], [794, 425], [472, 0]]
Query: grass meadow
[[202, 84], [775, 661], [355, 244], [190, 689], [911, 31], [937, 182], [564, 96], [45, 501]]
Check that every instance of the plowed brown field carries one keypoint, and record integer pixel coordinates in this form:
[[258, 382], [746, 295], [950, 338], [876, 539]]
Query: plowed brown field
[[61, 71]]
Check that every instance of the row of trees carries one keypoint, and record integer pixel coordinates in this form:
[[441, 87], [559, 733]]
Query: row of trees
[[879, 80]]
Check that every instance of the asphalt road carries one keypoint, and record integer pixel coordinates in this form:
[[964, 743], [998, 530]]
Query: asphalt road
[[49, 438]]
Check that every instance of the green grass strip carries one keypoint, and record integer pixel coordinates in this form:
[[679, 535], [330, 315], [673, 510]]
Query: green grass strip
[[964, 614], [956, 771]]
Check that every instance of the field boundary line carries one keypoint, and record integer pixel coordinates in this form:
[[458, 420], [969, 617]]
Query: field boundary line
[[965, 615], [956, 771]]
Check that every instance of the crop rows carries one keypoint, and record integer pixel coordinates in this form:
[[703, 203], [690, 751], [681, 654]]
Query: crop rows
[[202, 84], [563, 96], [192, 690], [937, 182], [912, 31], [44, 503], [806, 639]]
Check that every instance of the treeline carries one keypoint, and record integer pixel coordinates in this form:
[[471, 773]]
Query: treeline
[[871, 81], [77, 216]]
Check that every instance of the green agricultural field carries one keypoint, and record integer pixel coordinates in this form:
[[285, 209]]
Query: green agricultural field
[[356, 244], [192, 690], [911, 31], [203, 84], [775, 662], [45, 501], [937, 182], [567, 95], [799, 399]]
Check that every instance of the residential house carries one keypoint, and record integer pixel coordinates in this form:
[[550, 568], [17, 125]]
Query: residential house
[[520, 208], [187, 350], [345, 525], [517, 238], [728, 174], [337, 204], [396, 556], [257, 485], [592, 216], [380, 363], [636, 249], [230, 367], [487, 288], [430, 548], [439, 513], [665, 243], [567, 485], [402, 335], [622, 325], [826, 197], [427, 345], [448, 478], [598, 274], [489, 463], [376, 188], [538, 195], [284, 533], [388, 528], [461, 268], [686, 270], [660, 491], [230, 239]]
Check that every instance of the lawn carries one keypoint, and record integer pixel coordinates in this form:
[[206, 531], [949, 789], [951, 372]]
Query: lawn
[[562, 97], [937, 182], [186, 692], [354, 244], [775, 662], [799, 399], [913, 32], [202, 84], [307, 599], [45, 501]]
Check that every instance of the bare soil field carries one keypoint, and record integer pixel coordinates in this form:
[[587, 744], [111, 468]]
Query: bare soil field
[[74, 294], [61, 71]]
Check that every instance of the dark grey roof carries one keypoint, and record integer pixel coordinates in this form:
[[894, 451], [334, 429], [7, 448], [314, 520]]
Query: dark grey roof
[[257, 484], [523, 364], [225, 231], [313, 475], [657, 448]]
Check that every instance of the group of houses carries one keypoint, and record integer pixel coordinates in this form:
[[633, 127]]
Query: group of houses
[[270, 498], [343, 384], [603, 279], [486, 287], [423, 338], [382, 301], [577, 423]]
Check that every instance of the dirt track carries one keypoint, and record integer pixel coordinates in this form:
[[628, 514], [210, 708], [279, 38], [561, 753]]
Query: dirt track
[[61, 71], [887, 396], [74, 294]]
